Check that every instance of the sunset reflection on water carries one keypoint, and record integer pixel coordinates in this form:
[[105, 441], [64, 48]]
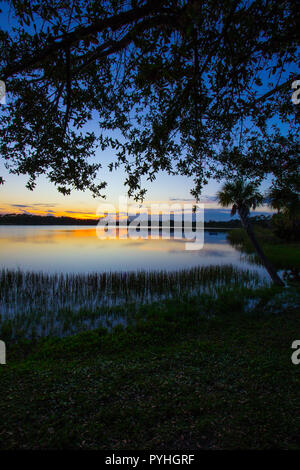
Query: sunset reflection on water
[[79, 249]]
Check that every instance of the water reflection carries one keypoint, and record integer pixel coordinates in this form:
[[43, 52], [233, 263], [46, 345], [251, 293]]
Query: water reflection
[[80, 249]]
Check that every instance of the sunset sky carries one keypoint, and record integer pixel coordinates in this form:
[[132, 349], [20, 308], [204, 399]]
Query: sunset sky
[[46, 200]]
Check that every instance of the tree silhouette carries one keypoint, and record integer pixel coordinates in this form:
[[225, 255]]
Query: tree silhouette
[[243, 197], [179, 80]]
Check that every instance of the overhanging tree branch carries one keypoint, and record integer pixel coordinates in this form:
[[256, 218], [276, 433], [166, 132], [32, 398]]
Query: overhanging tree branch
[[275, 90], [114, 22], [111, 47], [68, 104]]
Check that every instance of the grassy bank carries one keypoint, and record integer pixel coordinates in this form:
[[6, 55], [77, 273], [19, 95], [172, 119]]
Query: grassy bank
[[282, 254], [200, 373]]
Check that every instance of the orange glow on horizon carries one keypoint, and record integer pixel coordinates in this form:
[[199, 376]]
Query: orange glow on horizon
[[58, 213]]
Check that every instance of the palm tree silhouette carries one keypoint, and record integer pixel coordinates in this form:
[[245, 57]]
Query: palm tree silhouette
[[243, 197]]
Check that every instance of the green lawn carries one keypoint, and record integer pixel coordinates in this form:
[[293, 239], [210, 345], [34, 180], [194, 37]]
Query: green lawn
[[188, 376]]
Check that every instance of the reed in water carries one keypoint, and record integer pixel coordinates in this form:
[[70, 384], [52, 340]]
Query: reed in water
[[67, 303]]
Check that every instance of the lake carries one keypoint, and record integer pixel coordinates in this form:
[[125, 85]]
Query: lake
[[59, 280], [77, 249]]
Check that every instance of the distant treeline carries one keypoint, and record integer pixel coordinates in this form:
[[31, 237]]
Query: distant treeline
[[27, 219], [261, 220]]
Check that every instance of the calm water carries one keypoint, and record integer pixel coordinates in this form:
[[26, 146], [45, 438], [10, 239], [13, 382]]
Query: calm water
[[65, 249], [66, 298]]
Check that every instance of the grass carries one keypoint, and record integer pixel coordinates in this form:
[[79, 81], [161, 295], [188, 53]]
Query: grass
[[37, 304], [190, 366], [204, 372], [282, 254]]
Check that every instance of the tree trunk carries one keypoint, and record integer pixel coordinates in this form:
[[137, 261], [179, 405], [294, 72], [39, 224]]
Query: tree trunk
[[269, 267]]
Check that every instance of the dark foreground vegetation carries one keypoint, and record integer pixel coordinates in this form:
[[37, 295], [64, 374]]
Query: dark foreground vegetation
[[186, 376], [283, 254]]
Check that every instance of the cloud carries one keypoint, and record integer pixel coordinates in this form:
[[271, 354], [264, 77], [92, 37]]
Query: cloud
[[204, 198], [33, 205], [80, 212], [182, 199], [208, 199], [44, 205]]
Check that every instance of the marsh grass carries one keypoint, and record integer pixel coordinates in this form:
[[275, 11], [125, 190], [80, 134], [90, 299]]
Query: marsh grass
[[38, 304]]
